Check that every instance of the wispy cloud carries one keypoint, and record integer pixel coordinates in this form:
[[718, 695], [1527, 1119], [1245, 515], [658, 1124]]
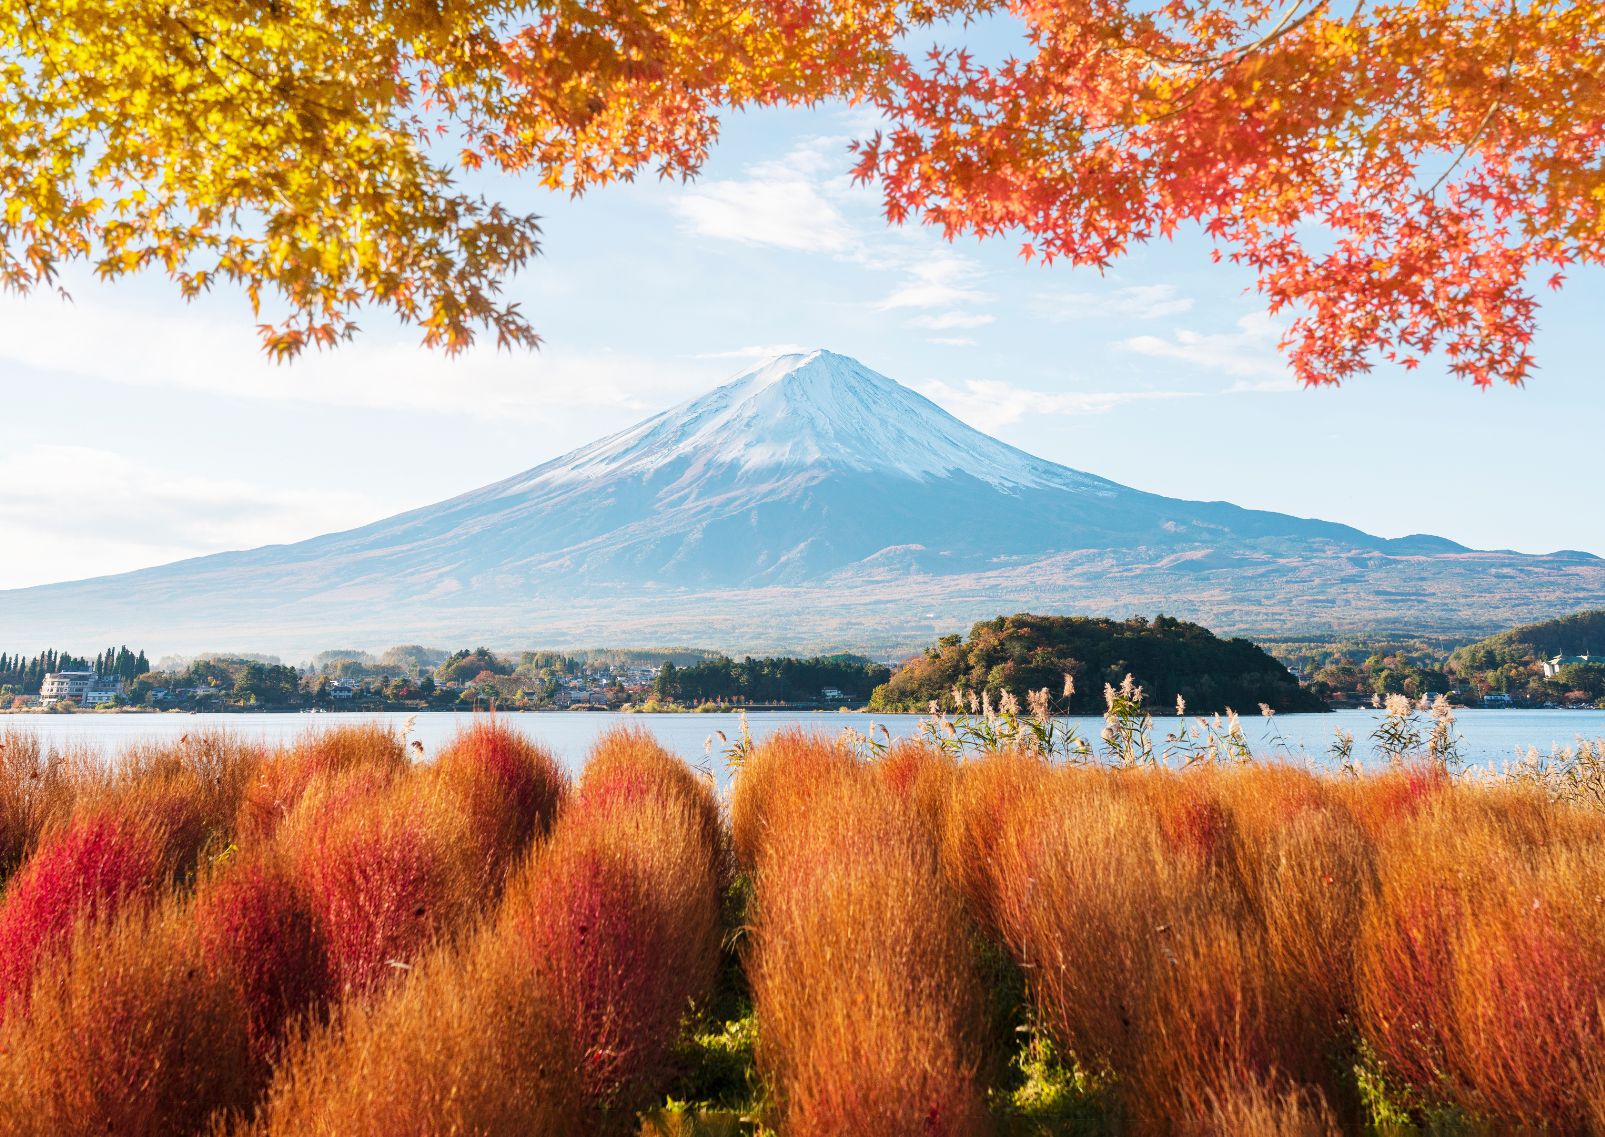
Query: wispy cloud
[[940, 279], [992, 403], [1136, 302], [785, 212], [99, 512], [187, 351], [783, 203], [1264, 386], [1249, 352], [805, 202], [953, 341]]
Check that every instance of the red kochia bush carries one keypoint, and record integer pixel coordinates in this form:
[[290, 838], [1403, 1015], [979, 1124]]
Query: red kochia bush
[[924, 775], [1436, 870], [629, 765], [35, 789], [112, 853], [1480, 965], [511, 789], [984, 796], [467, 1045], [258, 932], [386, 878], [1389, 799], [783, 773], [594, 940], [620, 915], [1529, 1043]]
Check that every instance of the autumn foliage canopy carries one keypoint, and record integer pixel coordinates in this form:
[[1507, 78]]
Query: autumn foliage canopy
[[1400, 178]]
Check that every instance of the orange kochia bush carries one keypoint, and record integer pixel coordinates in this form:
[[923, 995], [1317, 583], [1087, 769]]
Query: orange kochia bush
[[861, 957]]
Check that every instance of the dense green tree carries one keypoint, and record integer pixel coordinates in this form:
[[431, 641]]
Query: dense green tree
[[27, 674], [775, 679], [266, 684], [465, 666]]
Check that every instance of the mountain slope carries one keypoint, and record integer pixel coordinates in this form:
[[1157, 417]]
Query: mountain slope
[[808, 502]]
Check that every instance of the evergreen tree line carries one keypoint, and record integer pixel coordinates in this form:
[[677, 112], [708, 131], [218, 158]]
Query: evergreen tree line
[[770, 680], [26, 675]]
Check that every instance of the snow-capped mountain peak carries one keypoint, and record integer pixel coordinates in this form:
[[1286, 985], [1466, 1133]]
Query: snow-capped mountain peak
[[806, 503], [811, 410]]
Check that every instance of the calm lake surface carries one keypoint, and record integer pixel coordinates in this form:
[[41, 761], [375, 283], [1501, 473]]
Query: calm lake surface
[[1489, 738]]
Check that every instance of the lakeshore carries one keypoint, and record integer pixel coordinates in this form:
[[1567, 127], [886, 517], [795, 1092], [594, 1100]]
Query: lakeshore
[[1489, 738]]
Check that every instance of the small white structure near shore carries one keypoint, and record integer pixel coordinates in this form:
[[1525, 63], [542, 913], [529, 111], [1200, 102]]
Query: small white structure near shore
[[1552, 666]]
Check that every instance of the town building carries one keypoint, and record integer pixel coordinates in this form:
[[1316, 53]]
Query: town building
[[86, 688], [1553, 665]]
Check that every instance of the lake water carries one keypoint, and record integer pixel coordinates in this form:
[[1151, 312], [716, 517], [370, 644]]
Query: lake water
[[1489, 737]]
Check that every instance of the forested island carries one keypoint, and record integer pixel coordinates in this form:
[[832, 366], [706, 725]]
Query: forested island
[[1168, 658]]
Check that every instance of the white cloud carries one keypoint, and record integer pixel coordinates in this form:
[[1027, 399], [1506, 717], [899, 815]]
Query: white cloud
[[1250, 352], [190, 352], [805, 202], [992, 403], [1136, 302], [946, 320], [940, 279], [953, 341], [785, 203], [85, 512]]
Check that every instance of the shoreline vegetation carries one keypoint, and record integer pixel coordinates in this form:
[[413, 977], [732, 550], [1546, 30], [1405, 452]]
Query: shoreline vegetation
[[1001, 929], [1553, 664]]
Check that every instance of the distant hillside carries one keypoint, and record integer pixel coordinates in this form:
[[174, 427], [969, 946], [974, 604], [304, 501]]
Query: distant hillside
[[1580, 634], [1166, 656]]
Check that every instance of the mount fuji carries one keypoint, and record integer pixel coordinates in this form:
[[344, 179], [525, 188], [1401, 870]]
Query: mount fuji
[[808, 503]]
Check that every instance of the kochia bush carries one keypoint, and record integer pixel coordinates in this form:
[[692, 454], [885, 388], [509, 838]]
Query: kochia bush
[[386, 877], [861, 964], [511, 789], [117, 851], [258, 932], [619, 915], [128, 1033]]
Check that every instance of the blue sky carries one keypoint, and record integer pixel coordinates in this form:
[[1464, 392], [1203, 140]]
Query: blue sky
[[137, 429]]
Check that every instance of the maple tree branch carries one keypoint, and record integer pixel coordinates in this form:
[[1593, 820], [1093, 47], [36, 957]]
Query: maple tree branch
[[289, 91], [1482, 124], [1476, 136], [1212, 63], [1285, 26], [38, 34]]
